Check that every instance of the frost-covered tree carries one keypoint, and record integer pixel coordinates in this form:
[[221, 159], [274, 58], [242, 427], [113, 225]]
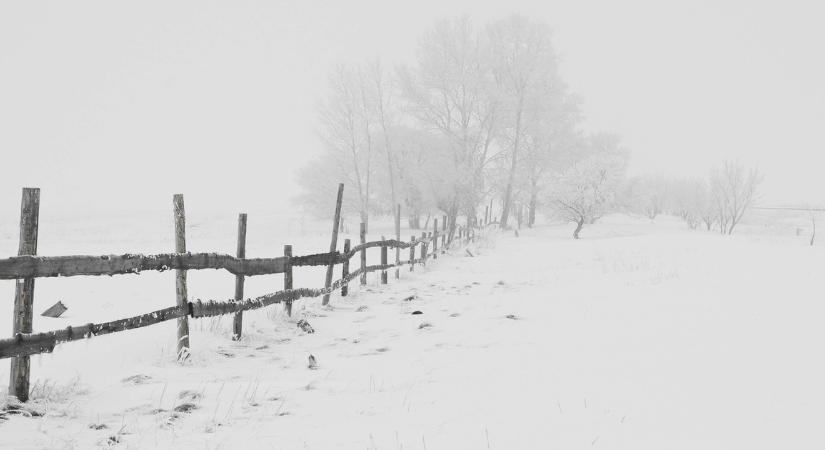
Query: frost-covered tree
[[689, 199], [547, 145], [448, 92], [418, 157], [523, 63], [588, 187], [654, 194], [733, 189], [480, 113]]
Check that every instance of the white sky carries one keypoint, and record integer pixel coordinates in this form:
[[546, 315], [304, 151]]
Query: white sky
[[104, 101]]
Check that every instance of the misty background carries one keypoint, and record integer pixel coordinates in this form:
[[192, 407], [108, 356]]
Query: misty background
[[112, 106]]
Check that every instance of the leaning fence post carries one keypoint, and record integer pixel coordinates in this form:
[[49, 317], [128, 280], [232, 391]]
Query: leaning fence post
[[237, 323], [412, 253], [24, 292], [383, 262], [334, 244], [397, 238], [180, 277], [435, 238], [345, 269], [363, 235], [288, 277]]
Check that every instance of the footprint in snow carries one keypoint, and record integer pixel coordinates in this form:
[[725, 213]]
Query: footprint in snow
[[137, 379]]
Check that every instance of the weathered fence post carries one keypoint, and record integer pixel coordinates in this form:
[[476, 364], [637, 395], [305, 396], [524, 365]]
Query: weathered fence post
[[24, 292], [435, 238], [288, 277], [383, 262], [423, 248], [237, 323], [180, 277], [397, 238], [334, 244], [412, 253], [345, 269], [363, 235]]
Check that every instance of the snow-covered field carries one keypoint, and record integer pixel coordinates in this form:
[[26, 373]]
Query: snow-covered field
[[640, 336]]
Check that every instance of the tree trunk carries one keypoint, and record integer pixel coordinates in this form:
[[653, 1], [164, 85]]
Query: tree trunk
[[414, 221], [452, 216], [365, 219], [531, 215], [579, 226], [505, 210]]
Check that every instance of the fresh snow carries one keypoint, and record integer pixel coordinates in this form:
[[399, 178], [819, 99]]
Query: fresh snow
[[642, 335]]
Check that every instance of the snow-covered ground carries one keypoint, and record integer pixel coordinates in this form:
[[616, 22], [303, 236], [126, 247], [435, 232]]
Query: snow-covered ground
[[640, 336]]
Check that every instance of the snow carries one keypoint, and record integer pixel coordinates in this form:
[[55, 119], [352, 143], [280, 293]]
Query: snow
[[642, 335]]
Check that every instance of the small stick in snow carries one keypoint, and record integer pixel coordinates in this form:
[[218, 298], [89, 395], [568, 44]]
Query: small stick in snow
[[469, 253]]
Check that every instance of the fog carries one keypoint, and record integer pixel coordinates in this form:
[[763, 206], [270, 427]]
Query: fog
[[115, 106], [601, 215]]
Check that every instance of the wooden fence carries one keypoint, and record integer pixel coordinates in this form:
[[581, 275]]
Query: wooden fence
[[26, 267]]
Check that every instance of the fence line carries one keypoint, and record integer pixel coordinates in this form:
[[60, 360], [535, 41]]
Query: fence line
[[27, 266]]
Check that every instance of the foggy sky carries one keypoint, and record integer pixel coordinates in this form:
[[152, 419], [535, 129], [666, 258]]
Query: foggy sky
[[109, 105]]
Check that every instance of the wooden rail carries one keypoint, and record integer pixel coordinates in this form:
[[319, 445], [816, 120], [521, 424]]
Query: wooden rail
[[130, 263], [29, 266], [70, 266]]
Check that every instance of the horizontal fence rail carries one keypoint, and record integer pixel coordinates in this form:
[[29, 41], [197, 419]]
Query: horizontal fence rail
[[70, 266], [132, 263]]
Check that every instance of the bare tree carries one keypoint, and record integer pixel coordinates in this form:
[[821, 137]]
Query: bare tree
[[347, 131], [734, 190], [524, 64], [382, 90], [654, 194]]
